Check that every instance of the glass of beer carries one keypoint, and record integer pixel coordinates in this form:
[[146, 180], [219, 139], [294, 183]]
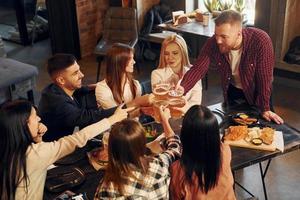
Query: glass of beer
[[177, 102], [156, 105], [161, 91], [175, 93]]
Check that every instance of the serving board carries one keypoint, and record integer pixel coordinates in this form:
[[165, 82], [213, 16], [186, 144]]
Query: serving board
[[278, 139]]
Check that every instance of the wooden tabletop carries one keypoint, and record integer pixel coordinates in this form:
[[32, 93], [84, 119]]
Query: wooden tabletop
[[192, 27]]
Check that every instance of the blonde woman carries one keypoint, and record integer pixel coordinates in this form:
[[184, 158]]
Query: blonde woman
[[173, 64]]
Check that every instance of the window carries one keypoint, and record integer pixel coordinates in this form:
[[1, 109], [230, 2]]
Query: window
[[249, 10]]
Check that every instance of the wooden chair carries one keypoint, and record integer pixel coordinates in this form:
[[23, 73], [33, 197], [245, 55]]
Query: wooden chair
[[120, 26]]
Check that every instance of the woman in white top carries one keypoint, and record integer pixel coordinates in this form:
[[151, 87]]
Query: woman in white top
[[119, 86], [173, 64], [25, 158]]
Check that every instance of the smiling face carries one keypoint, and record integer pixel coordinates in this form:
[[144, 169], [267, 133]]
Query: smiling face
[[173, 55], [129, 67], [71, 77], [228, 37], [33, 123]]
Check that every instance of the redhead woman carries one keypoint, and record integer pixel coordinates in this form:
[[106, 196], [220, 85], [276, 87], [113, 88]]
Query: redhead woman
[[119, 85], [25, 158], [173, 64], [203, 171]]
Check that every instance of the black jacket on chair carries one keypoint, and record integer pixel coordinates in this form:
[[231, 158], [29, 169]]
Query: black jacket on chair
[[61, 114]]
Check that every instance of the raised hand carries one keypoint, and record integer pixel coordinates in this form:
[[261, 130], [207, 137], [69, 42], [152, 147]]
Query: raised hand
[[144, 100], [164, 114], [42, 129], [178, 87], [120, 114]]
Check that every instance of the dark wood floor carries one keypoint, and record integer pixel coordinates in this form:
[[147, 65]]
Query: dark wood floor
[[283, 177]]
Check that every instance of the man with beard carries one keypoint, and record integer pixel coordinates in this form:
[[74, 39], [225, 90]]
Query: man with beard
[[59, 110], [244, 58]]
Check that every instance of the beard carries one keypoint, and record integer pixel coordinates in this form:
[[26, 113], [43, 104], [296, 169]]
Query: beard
[[76, 85], [224, 48]]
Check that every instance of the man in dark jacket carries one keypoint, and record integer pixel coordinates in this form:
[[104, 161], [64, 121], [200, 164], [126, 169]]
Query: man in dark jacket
[[58, 108]]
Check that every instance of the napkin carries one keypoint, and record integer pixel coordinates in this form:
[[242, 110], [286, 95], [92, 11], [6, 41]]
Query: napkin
[[279, 142]]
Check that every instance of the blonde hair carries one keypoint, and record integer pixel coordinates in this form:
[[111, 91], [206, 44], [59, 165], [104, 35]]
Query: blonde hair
[[177, 39]]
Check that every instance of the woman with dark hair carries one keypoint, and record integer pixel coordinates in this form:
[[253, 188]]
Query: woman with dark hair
[[130, 173], [204, 171], [119, 85], [25, 159]]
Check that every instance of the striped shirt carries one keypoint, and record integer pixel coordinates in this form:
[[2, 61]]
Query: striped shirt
[[255, 69], [155, 183]]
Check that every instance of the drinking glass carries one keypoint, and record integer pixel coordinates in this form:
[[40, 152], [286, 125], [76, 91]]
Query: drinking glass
[[177, 102], [161, 91], [156, 105]]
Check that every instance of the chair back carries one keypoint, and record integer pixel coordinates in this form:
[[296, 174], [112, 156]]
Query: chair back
[[120, 25]]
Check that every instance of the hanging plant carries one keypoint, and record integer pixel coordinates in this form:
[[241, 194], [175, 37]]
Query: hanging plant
[[212, 5], [225, 4], [239, 5]]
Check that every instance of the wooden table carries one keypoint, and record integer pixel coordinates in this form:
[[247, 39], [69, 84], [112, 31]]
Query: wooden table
[[193, 27], [241, 157]]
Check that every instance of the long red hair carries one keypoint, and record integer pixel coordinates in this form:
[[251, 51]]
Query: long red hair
[[117, 58]]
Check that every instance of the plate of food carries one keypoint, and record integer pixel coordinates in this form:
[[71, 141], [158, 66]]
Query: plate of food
[[244, 119], [98, 158], [256, 138], [150, 132]]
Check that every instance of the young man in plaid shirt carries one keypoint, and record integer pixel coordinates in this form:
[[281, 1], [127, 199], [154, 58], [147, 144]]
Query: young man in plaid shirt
[[245, 60]]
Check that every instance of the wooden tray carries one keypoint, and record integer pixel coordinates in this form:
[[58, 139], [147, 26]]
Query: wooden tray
[[278, 140]]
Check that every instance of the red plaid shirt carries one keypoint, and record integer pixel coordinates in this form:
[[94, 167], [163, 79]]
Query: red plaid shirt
[[256, 67]]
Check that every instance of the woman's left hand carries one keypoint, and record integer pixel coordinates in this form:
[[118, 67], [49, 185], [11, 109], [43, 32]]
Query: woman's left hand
[[42, 129]]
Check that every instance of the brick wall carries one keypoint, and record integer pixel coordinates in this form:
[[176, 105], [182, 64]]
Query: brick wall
[[90, 18]]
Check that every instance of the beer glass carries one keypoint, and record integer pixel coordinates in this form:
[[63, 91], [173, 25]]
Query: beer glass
[[178, 102], [161, 91], [156, 105]]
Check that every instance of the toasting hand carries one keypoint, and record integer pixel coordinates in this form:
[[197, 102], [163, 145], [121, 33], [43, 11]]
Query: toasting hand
[[120, 114]]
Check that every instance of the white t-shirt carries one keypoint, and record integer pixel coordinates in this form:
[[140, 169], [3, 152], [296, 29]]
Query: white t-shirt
[[235, 58]]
